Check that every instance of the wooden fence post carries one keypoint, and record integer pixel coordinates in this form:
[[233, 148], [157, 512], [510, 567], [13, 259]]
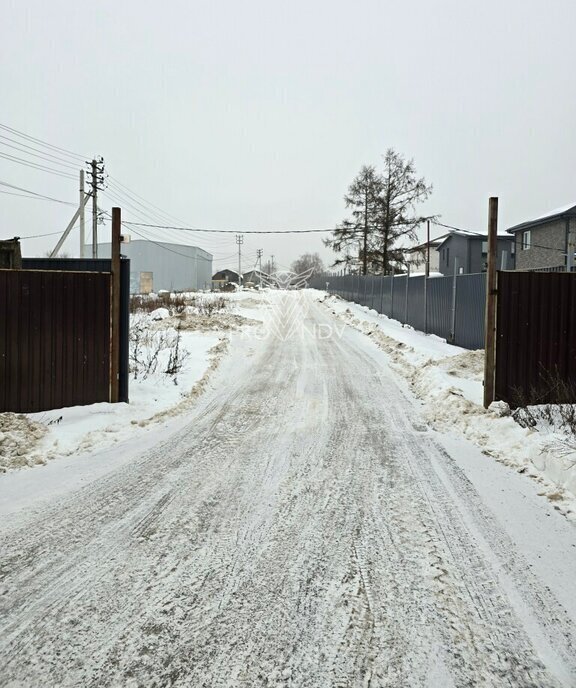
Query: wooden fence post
[[490, 317], [115, 305]]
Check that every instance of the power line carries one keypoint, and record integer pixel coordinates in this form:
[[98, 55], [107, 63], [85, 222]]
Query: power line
[[44, 143], [39, 236], [34, 194], [133, 193], [37, 166], [142, 211], [50, 158], [34, 198], [481, 234], [165, 248], [233, 231]]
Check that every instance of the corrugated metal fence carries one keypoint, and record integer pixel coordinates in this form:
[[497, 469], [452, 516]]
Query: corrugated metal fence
[[450, 307], [54, 339], [55, 334], [536, 338]]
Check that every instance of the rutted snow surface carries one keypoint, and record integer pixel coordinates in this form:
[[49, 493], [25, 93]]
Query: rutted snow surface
[[304, 530]]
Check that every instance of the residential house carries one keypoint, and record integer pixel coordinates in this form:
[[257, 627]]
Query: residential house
[[471, 252], [417, 255], [224, 279], [542, 243], [253, 276]]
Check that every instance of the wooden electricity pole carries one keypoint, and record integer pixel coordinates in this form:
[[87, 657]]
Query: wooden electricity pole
[[115, 306], [490, 314], [427, 248]]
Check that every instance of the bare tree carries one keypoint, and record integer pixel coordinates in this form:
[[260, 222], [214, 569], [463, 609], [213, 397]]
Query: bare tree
[[402, 190], [308, 261], [383, 212]]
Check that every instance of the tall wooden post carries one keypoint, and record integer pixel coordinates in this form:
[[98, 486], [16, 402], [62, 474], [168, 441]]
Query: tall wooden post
[[490, 317], [115, 305], [427, 248]]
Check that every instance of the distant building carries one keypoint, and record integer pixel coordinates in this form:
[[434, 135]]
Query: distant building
[[471, 251], [252, 276], [157, 265], [416, 256], [224, 279], [542, 243]]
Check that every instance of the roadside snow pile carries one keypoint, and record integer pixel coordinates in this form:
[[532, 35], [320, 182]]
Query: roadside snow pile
[[19, 440], [176, 342], [449, 382]]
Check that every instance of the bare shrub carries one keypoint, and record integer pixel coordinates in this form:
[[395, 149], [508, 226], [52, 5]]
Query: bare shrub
[[145, 348], [210, 305], [146, 303], [177, 355]]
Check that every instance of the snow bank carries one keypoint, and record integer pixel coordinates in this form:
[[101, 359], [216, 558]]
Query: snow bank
[[19, 440], [205, 328], [449, 382]]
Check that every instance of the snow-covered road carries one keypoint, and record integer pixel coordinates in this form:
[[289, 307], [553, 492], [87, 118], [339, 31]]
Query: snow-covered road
[[303, 528]]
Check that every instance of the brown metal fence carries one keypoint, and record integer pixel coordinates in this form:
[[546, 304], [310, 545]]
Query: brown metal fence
[[54, 339], [536, 338]]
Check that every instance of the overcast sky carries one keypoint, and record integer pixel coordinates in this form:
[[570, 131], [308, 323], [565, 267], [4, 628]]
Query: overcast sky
[[254, 114]]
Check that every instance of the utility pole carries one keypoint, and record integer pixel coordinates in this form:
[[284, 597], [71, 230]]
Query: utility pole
[[427, 248], [259, 253], [239, 241], [570, 247], [490, 316], [82, 215], [115, 306], [272, 265], [97, 179], [68, 229]]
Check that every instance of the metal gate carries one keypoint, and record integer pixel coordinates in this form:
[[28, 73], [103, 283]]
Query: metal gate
[[536, 338], [54, 339]]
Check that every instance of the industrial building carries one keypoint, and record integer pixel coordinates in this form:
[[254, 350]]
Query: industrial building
[[157, 265]]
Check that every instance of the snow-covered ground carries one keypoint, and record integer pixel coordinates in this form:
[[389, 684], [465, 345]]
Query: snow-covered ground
[[301, 524], [448, 381], [33, 439]]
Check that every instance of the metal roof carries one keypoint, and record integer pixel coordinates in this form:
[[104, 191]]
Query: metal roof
[[558, 213]]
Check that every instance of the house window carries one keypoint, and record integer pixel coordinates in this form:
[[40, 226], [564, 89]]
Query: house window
[[448, 256], [525, 240]]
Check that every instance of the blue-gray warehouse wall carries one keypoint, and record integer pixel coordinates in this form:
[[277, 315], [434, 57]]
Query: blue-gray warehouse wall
[[174, 267]]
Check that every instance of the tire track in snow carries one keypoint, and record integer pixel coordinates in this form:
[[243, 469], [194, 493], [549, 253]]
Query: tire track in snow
[[302, 531]]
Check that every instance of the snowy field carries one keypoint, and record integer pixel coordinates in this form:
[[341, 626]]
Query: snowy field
[[331, 507]]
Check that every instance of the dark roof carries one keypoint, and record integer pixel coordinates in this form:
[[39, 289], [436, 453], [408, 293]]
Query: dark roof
[[433, 244], [222, 274], [565, 211], [471, 237]]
